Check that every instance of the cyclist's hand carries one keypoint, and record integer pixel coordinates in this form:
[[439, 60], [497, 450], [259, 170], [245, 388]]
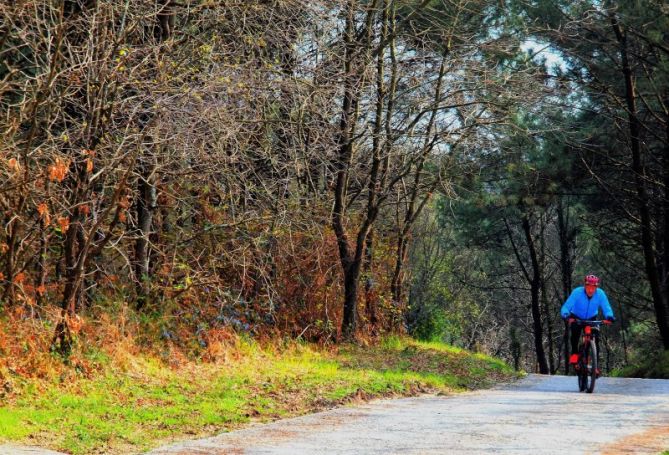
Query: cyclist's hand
[[571, 320], [607, 322], [610, 320]]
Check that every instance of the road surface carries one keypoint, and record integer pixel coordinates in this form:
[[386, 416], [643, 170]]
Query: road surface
[[537, 415]]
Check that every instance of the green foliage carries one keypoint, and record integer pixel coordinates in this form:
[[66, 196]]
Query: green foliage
[[451, 24], [441, 257], [653, 366], [427, 322], [132, 407]]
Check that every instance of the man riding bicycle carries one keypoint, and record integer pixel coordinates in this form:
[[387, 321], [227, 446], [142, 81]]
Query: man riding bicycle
[[584, 303]]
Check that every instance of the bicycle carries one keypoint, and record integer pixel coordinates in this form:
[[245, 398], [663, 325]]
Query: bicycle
[[586, 368]]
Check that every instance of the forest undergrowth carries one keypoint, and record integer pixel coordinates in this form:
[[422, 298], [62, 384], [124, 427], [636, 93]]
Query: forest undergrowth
[[117, 393]]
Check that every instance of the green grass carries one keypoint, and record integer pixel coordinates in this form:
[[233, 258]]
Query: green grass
[[147, 403], [655, 367]]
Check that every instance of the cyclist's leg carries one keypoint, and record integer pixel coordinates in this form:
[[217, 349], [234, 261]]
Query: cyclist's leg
[[575, 337], [597, 335]]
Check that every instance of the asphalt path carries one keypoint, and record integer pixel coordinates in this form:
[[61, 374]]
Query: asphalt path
[[537, 415]]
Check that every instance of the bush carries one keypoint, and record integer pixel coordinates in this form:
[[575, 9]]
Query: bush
[[427, 322], [652, 367]]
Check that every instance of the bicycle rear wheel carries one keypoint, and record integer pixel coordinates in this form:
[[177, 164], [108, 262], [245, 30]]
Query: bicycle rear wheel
[[589, 369]]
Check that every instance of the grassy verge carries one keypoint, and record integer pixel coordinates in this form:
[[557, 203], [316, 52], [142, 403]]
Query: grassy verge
[[653, 367], [130, 406]]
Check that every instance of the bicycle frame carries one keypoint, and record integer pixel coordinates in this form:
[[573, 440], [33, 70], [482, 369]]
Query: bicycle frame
[[589, 334], [588, 356]]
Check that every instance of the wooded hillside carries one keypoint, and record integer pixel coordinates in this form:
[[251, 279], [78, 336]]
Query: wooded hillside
[[334, 169]]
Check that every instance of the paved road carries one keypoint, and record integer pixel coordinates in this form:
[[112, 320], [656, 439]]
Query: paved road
[[538, 415], [11, 449]]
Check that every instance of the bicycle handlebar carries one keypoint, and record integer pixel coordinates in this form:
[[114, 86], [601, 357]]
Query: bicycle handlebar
[[595, 323]]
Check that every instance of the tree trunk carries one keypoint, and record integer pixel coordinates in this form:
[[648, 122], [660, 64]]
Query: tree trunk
[[566, 268], [345, 155], [62, 340], [544, 301], [665, 211], [42, 262], [565, 235], [146, 205], [147, 194], [415, 207], [351, 258], [535, 286], [9, 295], [368, 270], [75, 256], [396, 288], [659, 299], [350, 321]]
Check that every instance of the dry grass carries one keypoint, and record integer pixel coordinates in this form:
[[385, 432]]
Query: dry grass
[[118, 395]]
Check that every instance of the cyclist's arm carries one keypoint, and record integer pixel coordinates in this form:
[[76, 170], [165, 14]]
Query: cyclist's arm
[[605, 306], [568, 306]]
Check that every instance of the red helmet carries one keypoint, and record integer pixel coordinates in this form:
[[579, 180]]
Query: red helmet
[[592, 280]]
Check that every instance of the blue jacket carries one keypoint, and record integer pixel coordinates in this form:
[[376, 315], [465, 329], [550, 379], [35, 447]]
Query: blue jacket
[[582, 307]]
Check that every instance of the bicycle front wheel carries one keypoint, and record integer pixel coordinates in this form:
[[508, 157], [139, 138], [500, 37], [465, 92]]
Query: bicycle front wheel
[[590, 367], [581, 373]]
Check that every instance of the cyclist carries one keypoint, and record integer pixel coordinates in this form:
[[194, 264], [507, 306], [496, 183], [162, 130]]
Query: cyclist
[[584, 303]]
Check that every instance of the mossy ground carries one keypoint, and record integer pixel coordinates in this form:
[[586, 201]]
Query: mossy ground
[[141, 402]]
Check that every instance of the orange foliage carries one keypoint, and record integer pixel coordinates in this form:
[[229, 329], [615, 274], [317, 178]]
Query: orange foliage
[[27, 300], [124, 204], [63, 223], [24, 344], [75, 323], [58, 170], [13, 164], [285, 283], [218, 342], [19, 277], [43, 211]]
